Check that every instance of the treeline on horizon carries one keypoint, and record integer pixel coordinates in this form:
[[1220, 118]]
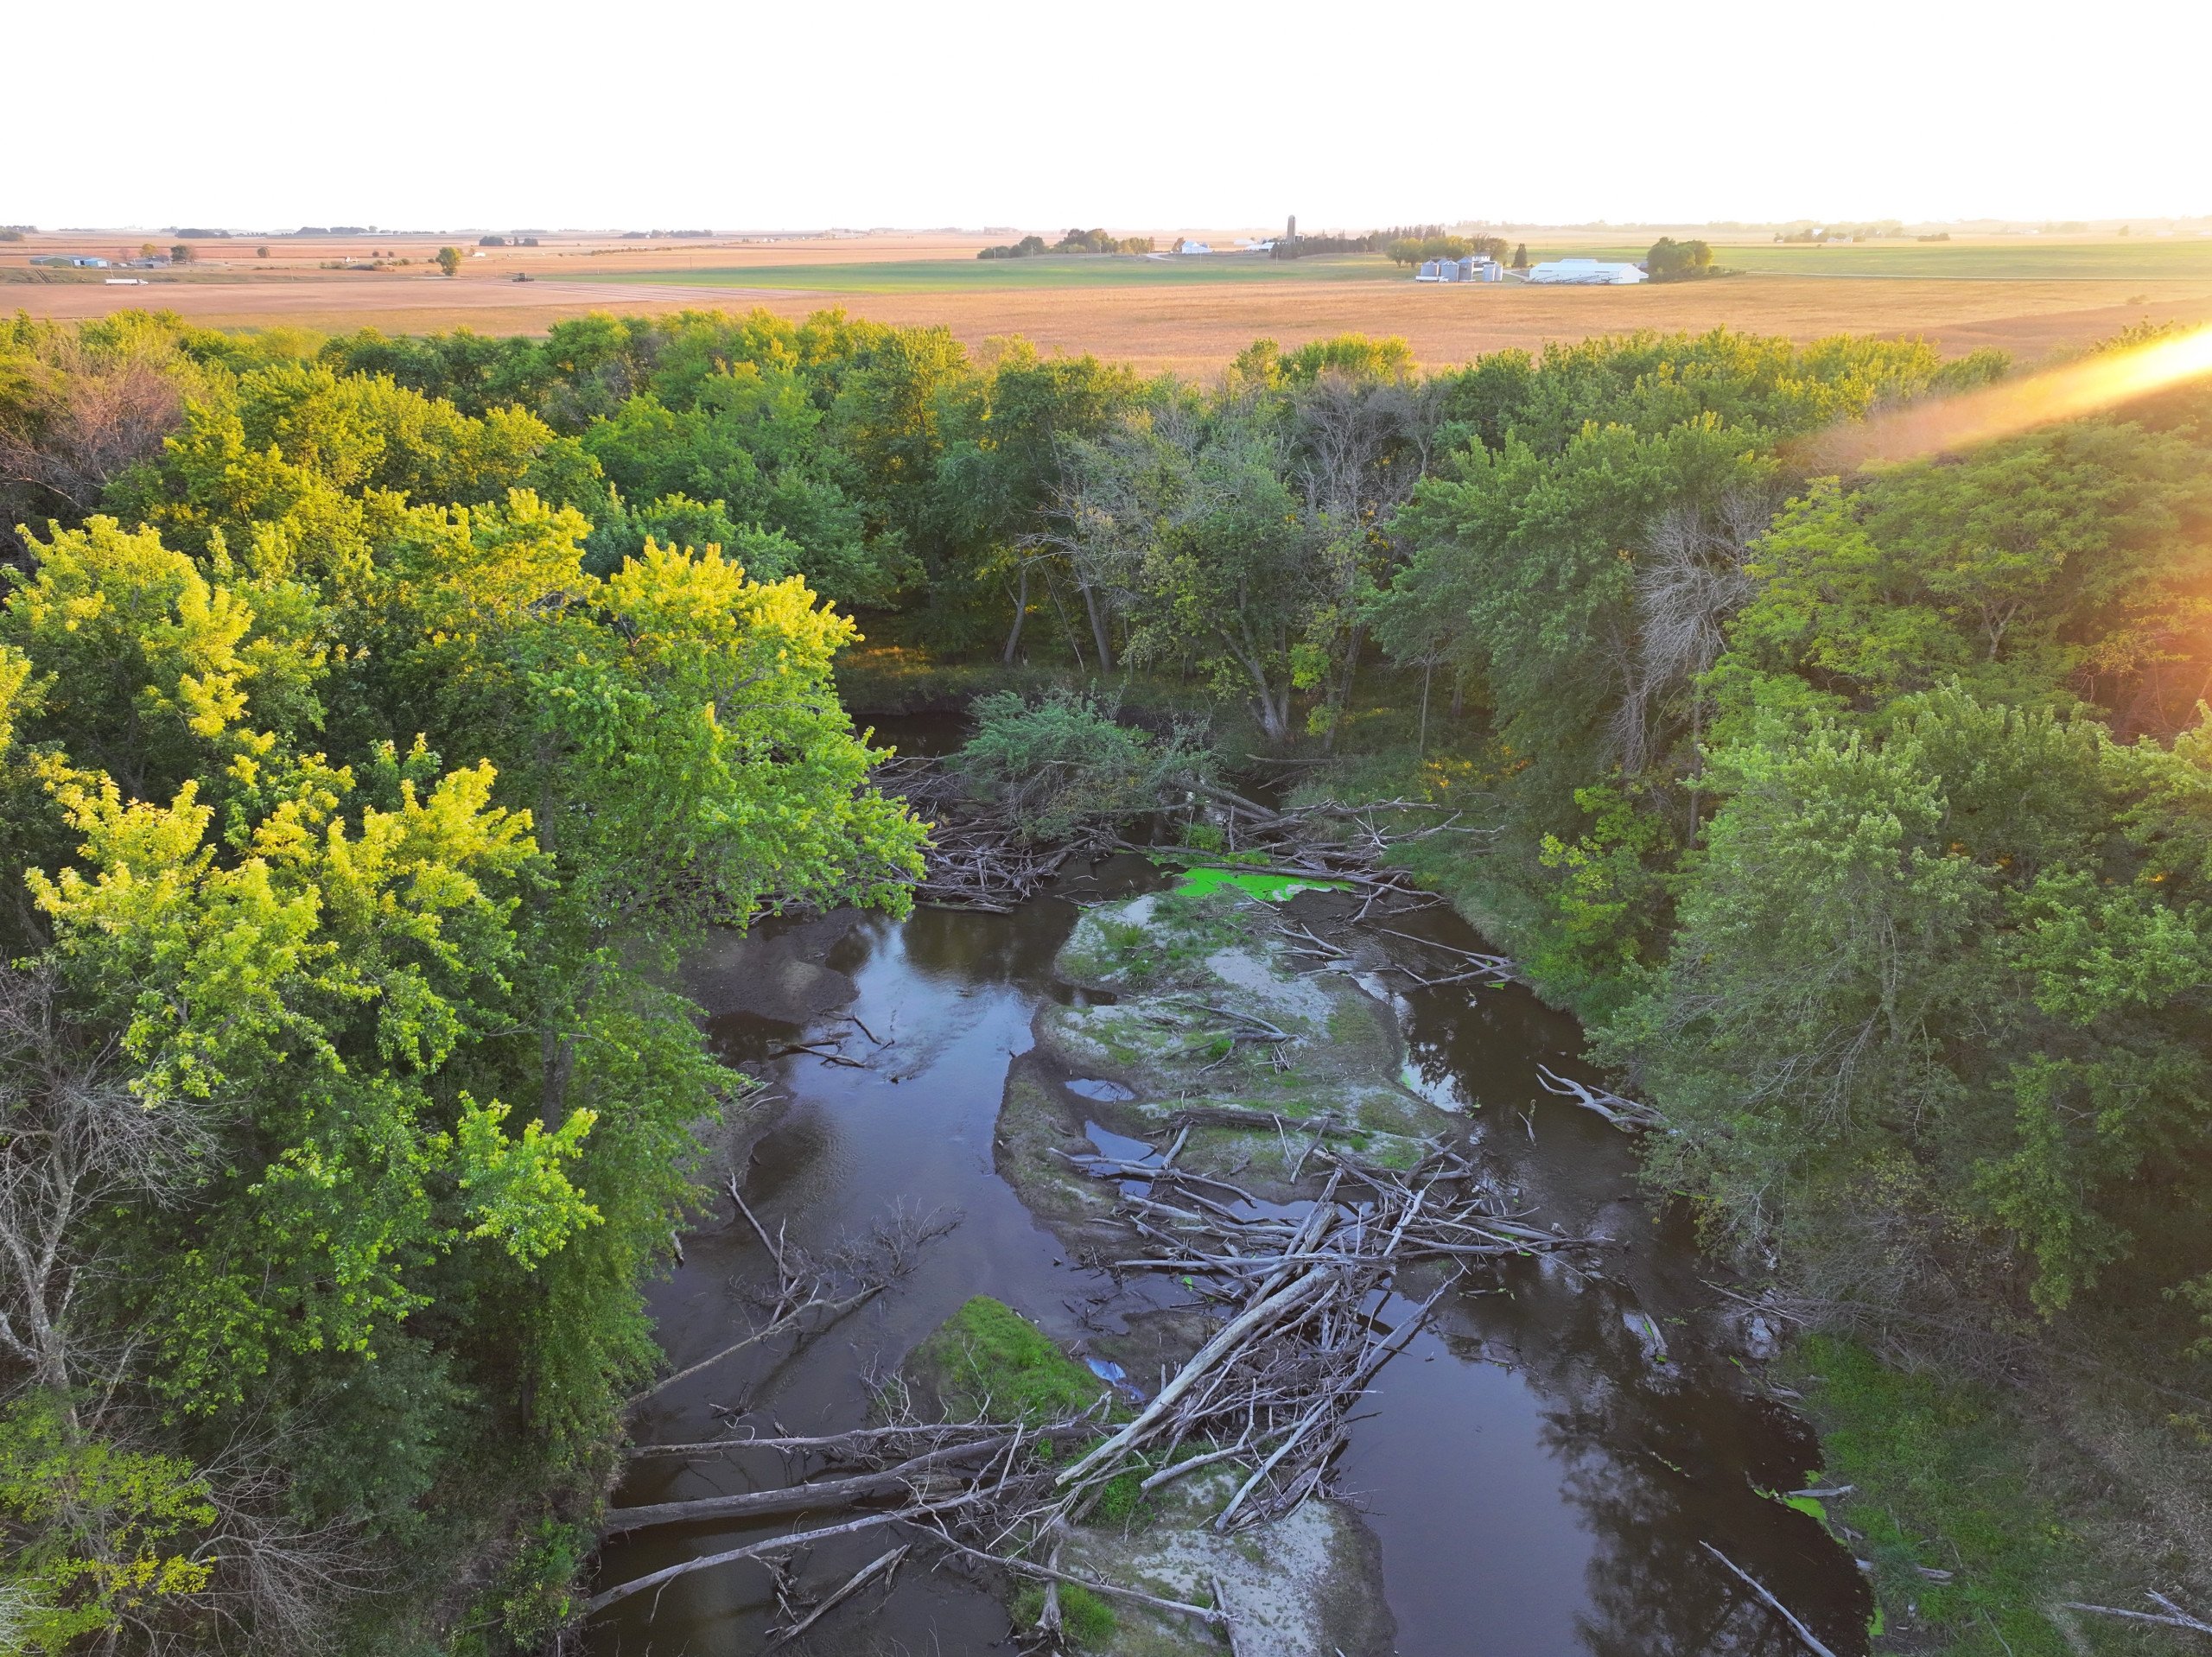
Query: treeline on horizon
[[356, 758]]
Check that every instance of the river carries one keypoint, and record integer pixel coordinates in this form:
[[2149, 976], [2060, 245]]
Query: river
[[1540, 1467]]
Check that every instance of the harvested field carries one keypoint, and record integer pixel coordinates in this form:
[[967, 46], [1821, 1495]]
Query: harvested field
[[1163, 317], [953, 276], [2146, 261]]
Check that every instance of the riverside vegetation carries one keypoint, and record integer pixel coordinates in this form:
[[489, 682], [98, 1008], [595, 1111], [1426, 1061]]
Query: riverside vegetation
[[381, 715]]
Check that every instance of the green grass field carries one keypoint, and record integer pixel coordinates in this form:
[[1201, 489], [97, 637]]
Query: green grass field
[[2142, 259], [986, 276]]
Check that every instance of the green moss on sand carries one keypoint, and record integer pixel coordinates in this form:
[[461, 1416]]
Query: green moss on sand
[[1155, 941], [1200, 882]]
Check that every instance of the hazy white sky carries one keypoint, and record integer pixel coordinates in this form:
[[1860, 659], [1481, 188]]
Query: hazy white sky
[[1136, 114]]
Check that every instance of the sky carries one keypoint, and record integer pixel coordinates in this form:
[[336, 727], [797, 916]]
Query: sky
[[1133, 114]]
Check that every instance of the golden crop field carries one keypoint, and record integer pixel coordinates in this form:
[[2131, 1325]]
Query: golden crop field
[[2031, 300]]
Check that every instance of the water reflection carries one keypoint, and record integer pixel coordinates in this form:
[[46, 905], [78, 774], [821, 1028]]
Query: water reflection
[[1540, 1466], [1653, 1437]]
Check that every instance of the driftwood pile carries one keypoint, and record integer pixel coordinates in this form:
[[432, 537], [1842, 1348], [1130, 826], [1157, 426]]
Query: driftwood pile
[[1306, 1296], [1273, 1390], [979, 857]]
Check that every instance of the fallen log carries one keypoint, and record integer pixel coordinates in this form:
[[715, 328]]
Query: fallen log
[[884, 1564], [798, 1498], [1229, 1116], [1812, 1641], [2174, 1617], [784, 1325], [1221, 1598], [775, 1545], [1269, 1306], [826, 1443], [1628, 1114], [1096, 1584]]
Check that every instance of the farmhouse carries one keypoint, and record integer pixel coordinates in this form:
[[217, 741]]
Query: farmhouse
[[1590, 273]]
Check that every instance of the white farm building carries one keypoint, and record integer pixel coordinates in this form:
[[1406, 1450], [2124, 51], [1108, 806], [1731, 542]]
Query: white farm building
[[1589, 273]]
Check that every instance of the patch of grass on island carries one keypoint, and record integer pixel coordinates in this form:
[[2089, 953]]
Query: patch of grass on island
[[1086, 1619], [987, 1361]]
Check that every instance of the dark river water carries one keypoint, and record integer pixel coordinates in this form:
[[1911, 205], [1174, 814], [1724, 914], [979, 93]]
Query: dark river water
[[1540, 1465]]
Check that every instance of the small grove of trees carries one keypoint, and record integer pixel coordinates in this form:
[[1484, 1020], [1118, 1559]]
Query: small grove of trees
[[343, 1108], [1099, 241], [449, 260], [1673, 260], [182, 253], [1411, 251], [1235, 538], [1076, 241], [1862, 818], [1816, 234], [1306, 246]]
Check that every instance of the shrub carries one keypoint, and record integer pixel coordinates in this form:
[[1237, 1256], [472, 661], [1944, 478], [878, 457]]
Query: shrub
[[1065, 763]]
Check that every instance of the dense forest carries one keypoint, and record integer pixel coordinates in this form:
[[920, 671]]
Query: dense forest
[[380, 718]]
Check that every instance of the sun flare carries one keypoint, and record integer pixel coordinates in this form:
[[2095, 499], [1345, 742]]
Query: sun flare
[[2106, 381]]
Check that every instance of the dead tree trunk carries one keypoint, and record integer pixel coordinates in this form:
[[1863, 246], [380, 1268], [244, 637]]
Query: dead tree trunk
[[1020, 615]]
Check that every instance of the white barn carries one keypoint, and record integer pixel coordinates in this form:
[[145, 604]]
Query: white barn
[[1589, 273]]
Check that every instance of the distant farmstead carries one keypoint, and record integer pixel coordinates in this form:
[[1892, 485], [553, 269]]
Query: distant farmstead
[[1589, 273], [1476, 267]]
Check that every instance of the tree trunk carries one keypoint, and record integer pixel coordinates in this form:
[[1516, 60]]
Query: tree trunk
[[1067, 628], [1352, 647], [1274, 713], [1099, 636], [558, 1062], [1020, 615]]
